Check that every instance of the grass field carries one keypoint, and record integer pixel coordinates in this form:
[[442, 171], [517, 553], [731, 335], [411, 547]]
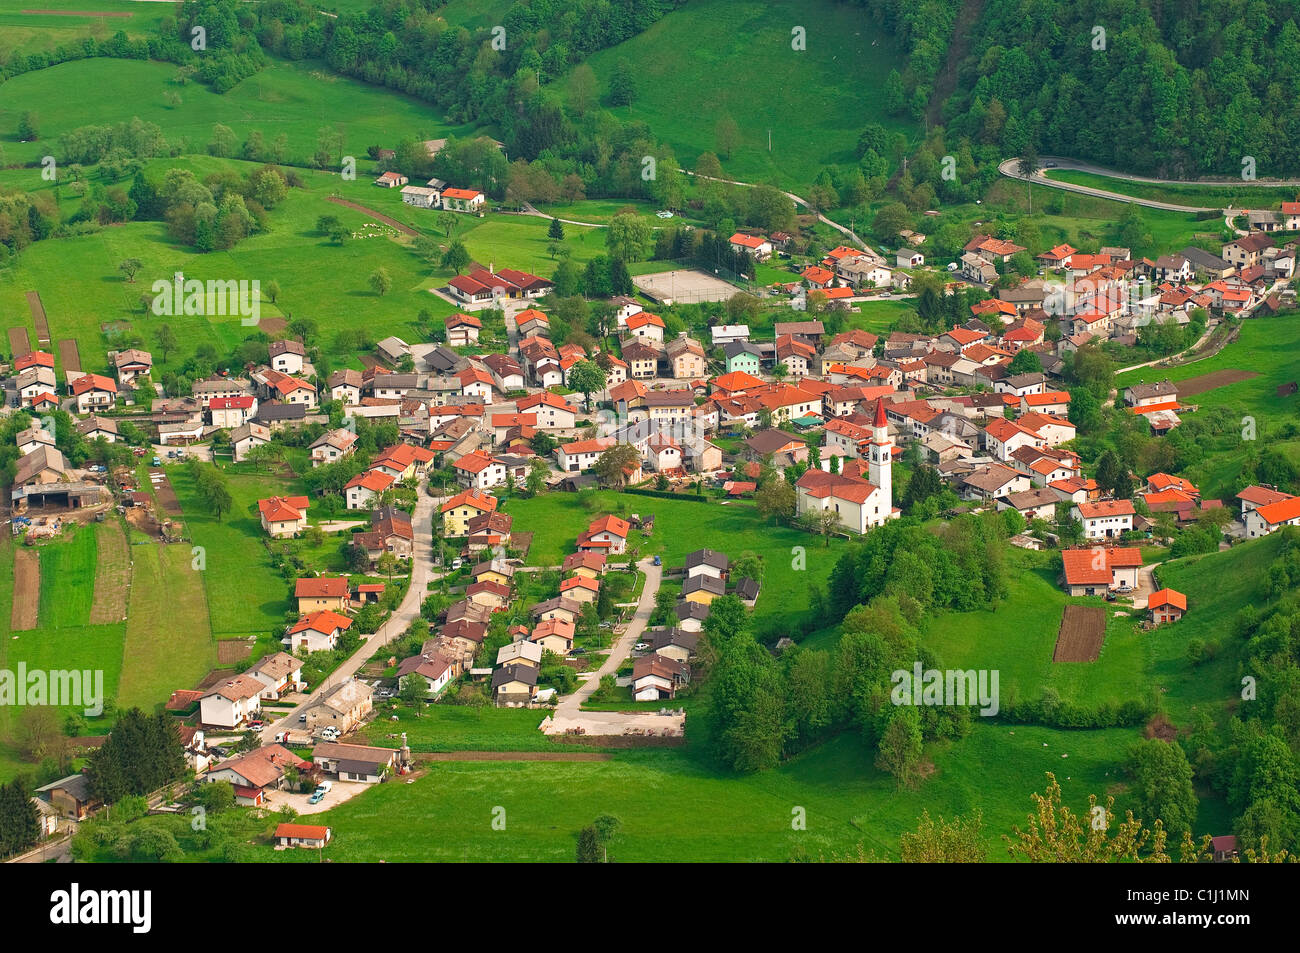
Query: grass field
[[24, 31], [1018, 636], [714, 58], [446, 727], [556, 519], [168, 636], [1210, 195], [668, 802], [1268, 346], [294, 99], [245, 594]]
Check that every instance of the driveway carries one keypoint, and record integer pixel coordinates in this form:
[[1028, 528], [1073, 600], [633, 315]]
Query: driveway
[[569, 714], [1146, 584], [340, 792], [409, 608]]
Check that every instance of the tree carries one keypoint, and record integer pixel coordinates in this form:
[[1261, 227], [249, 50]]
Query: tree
[[583, 88], [381, 282], [775, 499], [726, 135], [166, 341], [958, 841], [586, 376], [627, 237], [1027, 166], [900, 748], [456, 257], [414, 690], [1108, 471], [29, 126], [20, 825], [1025, 362], [273, 291], [891, 220], [589, 849], [555, 230], [622, 84], [538, 471], [1055, 834], [1162, 784], [610, 465], [129, 267]]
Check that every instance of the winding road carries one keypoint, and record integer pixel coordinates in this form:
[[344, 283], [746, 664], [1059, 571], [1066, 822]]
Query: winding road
[[1010, 168]]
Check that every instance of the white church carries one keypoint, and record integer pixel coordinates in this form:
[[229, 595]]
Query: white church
[[860, 503]]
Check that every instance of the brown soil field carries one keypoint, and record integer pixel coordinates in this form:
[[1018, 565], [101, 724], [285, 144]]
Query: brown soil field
[[1083, 629], [27, 590], [1203, 382]]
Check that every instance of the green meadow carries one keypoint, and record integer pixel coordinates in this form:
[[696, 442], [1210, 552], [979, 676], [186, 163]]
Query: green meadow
[[741, 64]]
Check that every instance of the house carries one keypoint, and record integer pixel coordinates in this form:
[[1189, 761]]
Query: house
[[674, 643], [1224, 847], [656, 677], [909, 258], [230, 412], [279, 673], [463, 200], [1152, 396], [1036, 503], [231, 702], [703, 588], [707, 562], [420, 196], [554, 635], [757, 246], [691, 615], [479, 471], [608, 535], [724, 334], [797, 356], [514, 685], [463, 329], [70, 797], [1003, 437], [647, 326], [1255, 496], [1265, 519], [94, 392], [132, 363], [1105, 518], [45, 464], [391, 180], [493, 595], [1096, 570], [257, 772], [33, 438], [520, 652], [582, 455], [301, 835], [552, 411], [342, 707], [993, 481], [317, 631], [783, 448], [1246, 250], [287, 357], [590, 564], [332, 445], [390, 532], [1166, 605], [93, 428], [463, 507], [686, 358], [345, 386], [438, 669], [283, 515], [363, 488], [315, 593], [742, 357]]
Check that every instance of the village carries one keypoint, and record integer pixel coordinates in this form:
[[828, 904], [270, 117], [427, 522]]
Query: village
[[806, 423]]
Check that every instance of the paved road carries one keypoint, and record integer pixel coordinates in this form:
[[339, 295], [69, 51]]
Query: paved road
[[421, 575]]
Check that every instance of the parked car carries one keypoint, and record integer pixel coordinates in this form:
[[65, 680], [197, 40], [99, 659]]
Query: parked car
[[325, 787], [256, 725], [156, 462], [316, 797], [641, 646], [457, 563], [330, 734], [657, 560]]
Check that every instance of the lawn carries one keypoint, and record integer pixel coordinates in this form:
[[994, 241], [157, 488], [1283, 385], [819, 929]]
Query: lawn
[[1017, 638], [668, 802], [447, 727], [162, 658], [793, 561], [1269, 346], [23, 30], [293, 99], [715, 58], [245, 594]]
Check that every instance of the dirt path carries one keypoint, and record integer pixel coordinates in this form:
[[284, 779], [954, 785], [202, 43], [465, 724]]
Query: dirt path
[[27, 590], [378, 216], [946, 81], [112, 575]]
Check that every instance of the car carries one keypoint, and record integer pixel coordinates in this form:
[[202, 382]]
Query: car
[[607, 624], [457, 563], [139, 451], [577, 651], [885, 294], [1125, 588], [325, 787], [952, 266], [302, 717], [157, 462], [1049, 165], [256, 725], [641, 646], [330, 734], [657, 560], [316, 797]]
